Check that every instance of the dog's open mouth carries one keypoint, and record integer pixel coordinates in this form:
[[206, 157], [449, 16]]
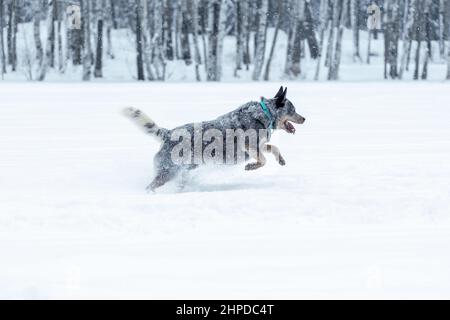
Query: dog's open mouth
[[289, 127]]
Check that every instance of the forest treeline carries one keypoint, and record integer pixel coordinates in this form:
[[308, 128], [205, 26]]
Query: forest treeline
[[80, 33]]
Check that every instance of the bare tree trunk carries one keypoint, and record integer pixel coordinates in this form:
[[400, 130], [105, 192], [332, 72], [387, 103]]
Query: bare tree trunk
[[158, 55], [427, 23], [216, 19], [337, 9], [274, 41], [332, 34], [239, 31], [391, 37], [324, 23], [109, 25], [168, 29], [335, 64], [98, 70], [2, 41], [139, 53], [178, 29], [54, 36], [221, 37], [146, 41], [246, 59], [204, 24], [48, 46], [86, 18], [292, 21], [12, 35], [441, 28], [408, 20], [37, 32], [447, 19], [263, 7], [418, 27], [185, 30], [74, 42], [192, 7], [354, 10], [308, 29], [113, 14], [61, 60]]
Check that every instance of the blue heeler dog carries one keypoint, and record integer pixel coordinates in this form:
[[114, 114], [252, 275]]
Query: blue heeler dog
[[245, 130]]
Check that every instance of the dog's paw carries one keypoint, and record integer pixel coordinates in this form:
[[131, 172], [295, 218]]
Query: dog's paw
[[253, 166], [281, 161], [130, 112], [150, 189]]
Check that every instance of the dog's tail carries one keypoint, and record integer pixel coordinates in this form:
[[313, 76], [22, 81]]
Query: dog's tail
[[145, 123]]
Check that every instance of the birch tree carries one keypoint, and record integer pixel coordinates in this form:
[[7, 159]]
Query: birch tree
[[418, 26], [332, 33], [139, 47], [240, 37], [427, 34], [246, 59], [185, 31], [99, 9], [391, 37], [447, 23], [274, 40], [50, 39], [342, 10], [323, 26], [12, 35], [59, 18], [441, 28], [37, 31], [354, 16], [408, 21], [158, 50], [263, 7], [193, 8], [2, 41], [216, 28], [168, 29], [145, 29], [86, 25], [292, 64], [307, 27], [337, 10]]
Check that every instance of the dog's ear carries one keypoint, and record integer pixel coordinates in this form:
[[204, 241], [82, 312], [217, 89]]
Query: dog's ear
[[279, 93], [280, 98]]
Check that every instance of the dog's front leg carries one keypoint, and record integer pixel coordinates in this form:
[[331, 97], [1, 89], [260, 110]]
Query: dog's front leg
[[259, 157], [270, 148]]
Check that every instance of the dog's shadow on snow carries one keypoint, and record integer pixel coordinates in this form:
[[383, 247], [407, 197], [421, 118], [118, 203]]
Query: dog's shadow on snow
[[207, 180], [220, 187]]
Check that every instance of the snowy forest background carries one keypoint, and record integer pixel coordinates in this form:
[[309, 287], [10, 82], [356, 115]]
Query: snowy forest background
[[223, 40]]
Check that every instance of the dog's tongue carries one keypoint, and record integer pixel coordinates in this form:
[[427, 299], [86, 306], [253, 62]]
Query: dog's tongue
[[289, 127]]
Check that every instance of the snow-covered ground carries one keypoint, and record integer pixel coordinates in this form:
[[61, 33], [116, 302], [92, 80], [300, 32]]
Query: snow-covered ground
[[360, 211]]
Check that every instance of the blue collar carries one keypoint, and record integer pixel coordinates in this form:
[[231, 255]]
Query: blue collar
[[267, 113]]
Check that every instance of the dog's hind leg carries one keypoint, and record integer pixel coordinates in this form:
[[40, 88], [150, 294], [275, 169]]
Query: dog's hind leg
[[162, 177], [258, 156], [270, 148]]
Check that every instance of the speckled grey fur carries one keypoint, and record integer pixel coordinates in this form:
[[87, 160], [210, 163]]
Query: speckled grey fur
[[247, 116]]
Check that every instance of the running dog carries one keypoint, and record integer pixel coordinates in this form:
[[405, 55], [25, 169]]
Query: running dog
[[263, 116]]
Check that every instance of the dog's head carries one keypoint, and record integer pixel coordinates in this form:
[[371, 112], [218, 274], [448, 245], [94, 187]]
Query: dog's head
[[284, 112]]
